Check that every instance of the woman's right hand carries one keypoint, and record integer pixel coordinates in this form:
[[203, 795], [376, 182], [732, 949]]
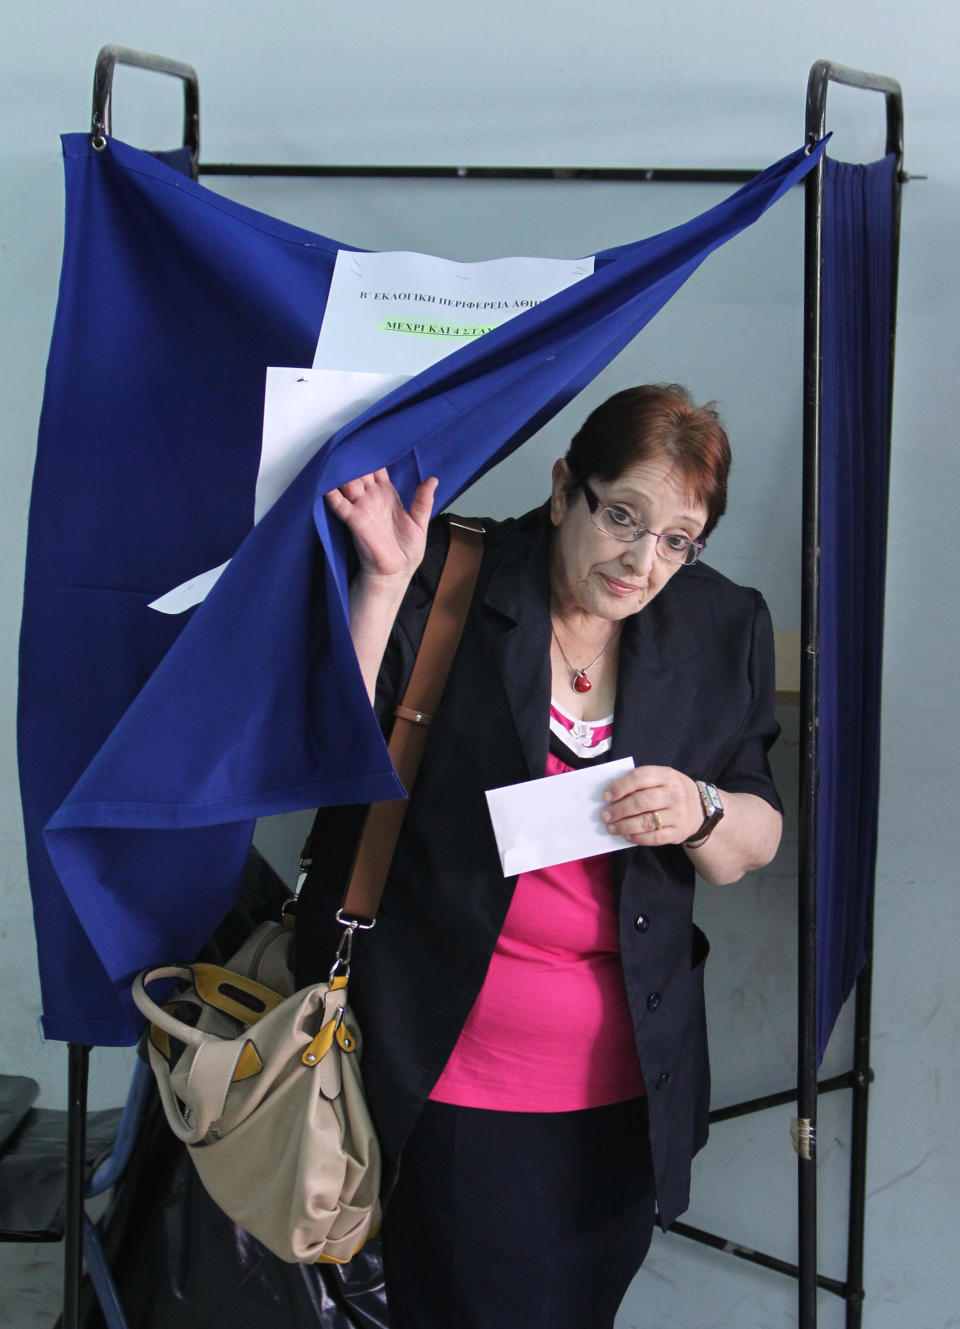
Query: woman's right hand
[[390, 544], [389, 540]]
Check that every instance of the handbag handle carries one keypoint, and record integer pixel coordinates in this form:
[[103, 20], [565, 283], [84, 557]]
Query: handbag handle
[[220, 1056], [156, 1014], [234, 994]]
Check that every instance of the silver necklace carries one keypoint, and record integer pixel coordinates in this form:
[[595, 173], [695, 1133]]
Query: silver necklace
[[580, 682]]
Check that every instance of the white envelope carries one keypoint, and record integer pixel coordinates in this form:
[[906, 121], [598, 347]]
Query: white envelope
[[556, 819]]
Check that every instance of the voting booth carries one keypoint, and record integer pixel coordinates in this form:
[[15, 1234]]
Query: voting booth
[[181, 553]]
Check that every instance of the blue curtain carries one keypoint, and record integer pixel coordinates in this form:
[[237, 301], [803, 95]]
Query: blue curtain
[[149, 744], [858, 284]]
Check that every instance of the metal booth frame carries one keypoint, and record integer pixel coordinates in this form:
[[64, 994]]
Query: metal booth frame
[[858, 1078]]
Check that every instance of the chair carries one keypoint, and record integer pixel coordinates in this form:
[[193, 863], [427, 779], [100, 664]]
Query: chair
[[33, 1172]]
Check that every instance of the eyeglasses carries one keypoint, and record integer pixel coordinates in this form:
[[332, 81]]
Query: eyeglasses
[[618, 523]]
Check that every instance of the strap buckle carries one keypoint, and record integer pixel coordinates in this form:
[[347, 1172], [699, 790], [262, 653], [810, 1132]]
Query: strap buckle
[[415, 717], [351, 925]]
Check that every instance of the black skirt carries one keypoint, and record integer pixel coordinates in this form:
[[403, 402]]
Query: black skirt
[[518, 1220]]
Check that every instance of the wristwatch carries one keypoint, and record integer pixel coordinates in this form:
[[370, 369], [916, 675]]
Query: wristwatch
[[712, 812]]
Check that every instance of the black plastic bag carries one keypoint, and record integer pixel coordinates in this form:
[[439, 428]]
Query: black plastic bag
[[178, 1261], [33, 1160]]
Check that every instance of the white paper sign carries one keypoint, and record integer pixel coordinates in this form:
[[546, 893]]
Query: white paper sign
[[189, 593], [556, 819], [402, 312], [302, 409], [388, 316]]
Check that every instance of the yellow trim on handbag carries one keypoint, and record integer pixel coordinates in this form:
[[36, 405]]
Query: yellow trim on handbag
[[321, 1043], [234, 994], [332, 1259], [161, 1041], [249, 1063]]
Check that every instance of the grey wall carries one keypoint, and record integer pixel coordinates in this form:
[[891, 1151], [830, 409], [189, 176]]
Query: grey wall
[[685, 84]]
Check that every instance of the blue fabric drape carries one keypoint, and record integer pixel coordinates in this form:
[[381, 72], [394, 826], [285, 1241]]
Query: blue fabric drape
[[858, 283], [178, 159], [149, 744]]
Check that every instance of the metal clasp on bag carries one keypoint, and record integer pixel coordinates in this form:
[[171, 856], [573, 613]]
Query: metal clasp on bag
[[351, 925], [305, 866]]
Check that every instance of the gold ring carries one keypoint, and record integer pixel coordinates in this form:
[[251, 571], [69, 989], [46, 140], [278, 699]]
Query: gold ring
[[657, 823]]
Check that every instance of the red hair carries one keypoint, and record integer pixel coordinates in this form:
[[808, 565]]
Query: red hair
[[656, 420]]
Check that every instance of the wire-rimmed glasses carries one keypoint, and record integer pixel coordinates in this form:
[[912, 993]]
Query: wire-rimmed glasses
[[619, 524]]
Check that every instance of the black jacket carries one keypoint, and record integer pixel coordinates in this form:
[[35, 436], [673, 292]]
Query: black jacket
[[695, 691]]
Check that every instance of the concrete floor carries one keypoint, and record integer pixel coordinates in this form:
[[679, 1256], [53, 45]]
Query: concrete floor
[[31, 1275]]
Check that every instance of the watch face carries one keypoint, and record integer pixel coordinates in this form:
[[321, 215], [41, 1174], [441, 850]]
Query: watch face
[[713, 796]]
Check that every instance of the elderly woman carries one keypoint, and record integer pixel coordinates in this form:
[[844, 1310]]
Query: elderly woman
[[535, 1052]]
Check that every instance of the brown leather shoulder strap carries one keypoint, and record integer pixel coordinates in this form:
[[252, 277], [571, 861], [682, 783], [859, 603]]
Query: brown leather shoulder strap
[[413, 716]]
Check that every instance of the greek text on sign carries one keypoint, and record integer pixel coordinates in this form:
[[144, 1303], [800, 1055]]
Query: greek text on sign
[[402, 312]]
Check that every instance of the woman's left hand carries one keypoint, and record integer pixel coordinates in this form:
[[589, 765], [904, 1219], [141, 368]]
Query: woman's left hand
[[656, 805], [653, 805]]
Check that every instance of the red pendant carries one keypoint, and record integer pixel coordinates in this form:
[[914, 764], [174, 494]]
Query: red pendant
[[581, 683]]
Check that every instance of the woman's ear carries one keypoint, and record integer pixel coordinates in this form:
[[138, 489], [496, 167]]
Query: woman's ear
[[558, 493]]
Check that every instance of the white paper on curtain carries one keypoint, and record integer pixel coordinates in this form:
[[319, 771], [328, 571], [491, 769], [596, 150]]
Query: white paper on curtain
[[388, 316], [402, 312]]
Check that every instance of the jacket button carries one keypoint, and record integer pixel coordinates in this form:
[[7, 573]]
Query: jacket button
[[653, 1001], [663, 1079], [641, 922]]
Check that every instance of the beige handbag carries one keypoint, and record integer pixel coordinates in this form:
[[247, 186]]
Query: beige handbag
[[262, 1083], [267, 1094]]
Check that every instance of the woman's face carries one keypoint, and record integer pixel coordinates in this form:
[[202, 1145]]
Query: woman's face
[[592, 573]]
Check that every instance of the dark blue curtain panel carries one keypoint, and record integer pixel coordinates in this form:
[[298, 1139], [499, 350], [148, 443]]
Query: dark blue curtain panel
[[149, 744], [859, 264]]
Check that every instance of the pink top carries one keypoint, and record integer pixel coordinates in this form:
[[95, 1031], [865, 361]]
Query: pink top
[[551, 1030]]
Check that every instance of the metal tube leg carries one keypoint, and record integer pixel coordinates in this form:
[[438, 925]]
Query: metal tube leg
[[79, 1064], [862, 1075]]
